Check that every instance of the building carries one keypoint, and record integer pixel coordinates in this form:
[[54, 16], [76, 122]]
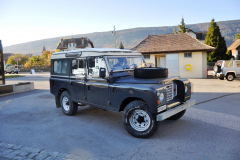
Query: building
[[235, 48], [74, 43], [181, 53], [198, 35]]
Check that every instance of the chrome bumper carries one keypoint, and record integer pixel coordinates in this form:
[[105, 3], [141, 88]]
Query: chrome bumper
[[171, 112]]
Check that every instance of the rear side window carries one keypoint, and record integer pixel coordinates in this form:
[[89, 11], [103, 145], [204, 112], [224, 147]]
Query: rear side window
[[238, 63], [228, 64], [60, 66]]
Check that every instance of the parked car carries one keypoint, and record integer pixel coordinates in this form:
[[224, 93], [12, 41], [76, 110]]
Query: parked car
[[12, 69], [228, 69], [118, 80]]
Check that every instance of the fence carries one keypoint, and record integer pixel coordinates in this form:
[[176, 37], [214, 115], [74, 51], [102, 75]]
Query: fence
[[36, 68]]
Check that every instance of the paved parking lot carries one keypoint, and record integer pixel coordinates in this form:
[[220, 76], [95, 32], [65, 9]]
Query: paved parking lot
[[32, 128]]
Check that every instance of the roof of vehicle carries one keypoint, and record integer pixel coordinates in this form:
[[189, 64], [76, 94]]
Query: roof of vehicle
[[88, 52]]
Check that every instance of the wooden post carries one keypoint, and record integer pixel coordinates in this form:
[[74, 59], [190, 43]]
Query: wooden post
[[2, 76]]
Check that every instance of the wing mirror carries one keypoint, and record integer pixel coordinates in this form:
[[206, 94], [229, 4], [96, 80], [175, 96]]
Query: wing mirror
[[102, 72]]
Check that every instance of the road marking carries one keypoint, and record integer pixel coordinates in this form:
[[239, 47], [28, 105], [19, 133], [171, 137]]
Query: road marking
[[5, 104], [216, 98]]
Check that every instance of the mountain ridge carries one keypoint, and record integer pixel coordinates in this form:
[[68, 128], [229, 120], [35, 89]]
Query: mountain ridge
[[129, 37]]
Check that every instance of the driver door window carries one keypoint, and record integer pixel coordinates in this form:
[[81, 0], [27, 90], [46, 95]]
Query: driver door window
[[78, 67]]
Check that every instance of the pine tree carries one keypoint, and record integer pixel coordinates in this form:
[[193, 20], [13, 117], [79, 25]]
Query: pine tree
[[215, 39], [182, 27], [121, 46]]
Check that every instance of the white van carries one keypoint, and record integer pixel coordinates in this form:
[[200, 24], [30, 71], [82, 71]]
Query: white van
[[227, 68]]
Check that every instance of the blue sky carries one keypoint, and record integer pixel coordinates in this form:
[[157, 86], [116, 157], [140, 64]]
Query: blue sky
[[29, 20]]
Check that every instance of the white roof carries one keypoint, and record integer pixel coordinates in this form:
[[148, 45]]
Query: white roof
[[88, 52]]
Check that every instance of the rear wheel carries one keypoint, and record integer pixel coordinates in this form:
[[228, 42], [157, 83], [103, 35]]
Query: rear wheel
[[138, 120], [68, 107], [230, 77]]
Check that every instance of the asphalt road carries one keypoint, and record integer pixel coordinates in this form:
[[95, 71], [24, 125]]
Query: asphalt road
[[208, 130]]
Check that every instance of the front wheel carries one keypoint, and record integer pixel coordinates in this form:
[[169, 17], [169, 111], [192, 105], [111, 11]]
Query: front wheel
[[138, 120], [68, 107]]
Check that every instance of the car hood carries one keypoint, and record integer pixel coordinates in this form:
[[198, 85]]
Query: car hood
[[133, 80]]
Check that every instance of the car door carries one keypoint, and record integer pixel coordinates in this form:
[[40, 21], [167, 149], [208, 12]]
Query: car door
[[238, 68], [77, 79], [96, 87]]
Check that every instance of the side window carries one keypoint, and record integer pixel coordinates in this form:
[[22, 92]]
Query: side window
[[238, 63], [228, 64], [60, 66], [94, 64], [78, 67]]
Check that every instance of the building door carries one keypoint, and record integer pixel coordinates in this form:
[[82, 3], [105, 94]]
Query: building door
[[172, 63], [162, 61]]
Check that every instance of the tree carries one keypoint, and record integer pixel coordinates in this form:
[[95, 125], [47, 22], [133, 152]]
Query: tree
[[121, 46], [11, 60], [46, 58], [182, 27], [237, 36], [34, 61], [215, 39]]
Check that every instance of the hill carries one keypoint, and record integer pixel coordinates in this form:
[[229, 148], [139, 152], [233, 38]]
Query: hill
[[129, 37]]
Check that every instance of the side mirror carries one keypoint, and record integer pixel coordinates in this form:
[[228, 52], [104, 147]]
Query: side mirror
[[102, 72]]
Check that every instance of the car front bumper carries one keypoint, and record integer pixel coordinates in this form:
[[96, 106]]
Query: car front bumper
[[220, 75], [173, 111]]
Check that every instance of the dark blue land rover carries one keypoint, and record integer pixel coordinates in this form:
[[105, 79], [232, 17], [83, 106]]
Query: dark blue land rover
[[118, 80]]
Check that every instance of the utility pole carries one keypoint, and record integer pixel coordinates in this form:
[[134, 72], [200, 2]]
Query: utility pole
[[114, 33]]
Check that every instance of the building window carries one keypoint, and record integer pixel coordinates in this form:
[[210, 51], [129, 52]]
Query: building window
[[73, 44], [146, 56], [69, 44], [187, 55]]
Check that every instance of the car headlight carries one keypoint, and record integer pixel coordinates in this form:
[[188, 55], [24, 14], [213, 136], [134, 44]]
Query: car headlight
[[161, 97], [186, 89]]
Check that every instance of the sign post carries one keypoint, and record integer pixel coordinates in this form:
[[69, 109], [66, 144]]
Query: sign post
[[2, 76], [17, 59]]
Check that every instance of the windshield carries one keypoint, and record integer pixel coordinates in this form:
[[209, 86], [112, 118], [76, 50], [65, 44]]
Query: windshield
[[125, 62]]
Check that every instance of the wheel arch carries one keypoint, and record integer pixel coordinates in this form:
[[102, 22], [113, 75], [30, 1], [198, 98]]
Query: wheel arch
[[126, 101], [231, 72]]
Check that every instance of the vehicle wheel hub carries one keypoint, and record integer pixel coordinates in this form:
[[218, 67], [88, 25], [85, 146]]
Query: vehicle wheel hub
[[140, 120], [65, 103]]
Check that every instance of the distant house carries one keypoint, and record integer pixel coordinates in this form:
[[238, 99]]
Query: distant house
[[74, 43], [5, 58], [44, 49], [235, 48], [181, 53], [198, 35]]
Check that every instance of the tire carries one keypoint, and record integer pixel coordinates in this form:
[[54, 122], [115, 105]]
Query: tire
[[177, 116], [68, 107], [150, 73], [138, 120], [230, 77]]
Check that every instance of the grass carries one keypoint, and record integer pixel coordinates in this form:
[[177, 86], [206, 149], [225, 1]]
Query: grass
[[13, 76]]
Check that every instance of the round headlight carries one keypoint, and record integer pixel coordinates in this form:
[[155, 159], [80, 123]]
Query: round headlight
[[161, 97], [186, 89]]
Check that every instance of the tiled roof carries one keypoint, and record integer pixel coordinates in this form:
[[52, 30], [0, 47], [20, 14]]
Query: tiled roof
[[235, 45], [80, 43], [171, 43]]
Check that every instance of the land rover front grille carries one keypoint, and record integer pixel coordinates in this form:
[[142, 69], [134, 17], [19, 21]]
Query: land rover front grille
[[169, 90]]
